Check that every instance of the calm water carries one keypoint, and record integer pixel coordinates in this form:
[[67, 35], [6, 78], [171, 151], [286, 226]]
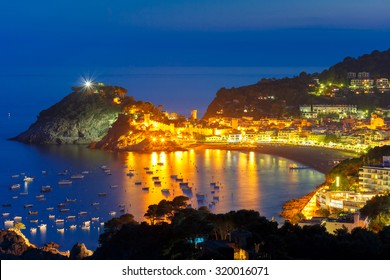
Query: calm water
[[245, 180]]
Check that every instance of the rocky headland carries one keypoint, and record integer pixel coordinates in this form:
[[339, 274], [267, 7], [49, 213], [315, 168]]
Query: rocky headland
[[15, 246], [82, 117]]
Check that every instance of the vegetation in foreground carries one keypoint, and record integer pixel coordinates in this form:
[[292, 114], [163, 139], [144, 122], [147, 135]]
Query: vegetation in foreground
[[177, 232]]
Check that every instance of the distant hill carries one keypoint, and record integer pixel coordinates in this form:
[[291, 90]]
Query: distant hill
[[282, 97]]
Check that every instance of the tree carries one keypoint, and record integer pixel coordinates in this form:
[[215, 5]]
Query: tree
[[19, 226]]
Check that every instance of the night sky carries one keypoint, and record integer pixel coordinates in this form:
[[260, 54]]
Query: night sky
[[118, 33]]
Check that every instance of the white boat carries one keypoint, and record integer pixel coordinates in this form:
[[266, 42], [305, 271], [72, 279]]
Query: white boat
[[42, 226], [50, 208], [28, 205], [61, 230], [71, 217], [85, 172], [5, 214], [15, 197], [8, 223], [33, 230], [64, 210], [52, 216], [15, 186], [23, 193], [81, 213], [72, 226], [28, 179], [64, 182], [77, 176], [87, 223], [114, 186], [112, 213], [34, 221], [17, 218], [71, 199], [95, 204], [39, 196], [60, 221], [95, 219], [85, 227], [15, 176]]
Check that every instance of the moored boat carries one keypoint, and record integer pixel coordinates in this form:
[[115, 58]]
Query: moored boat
[[77, 176], [15, 186], [60, 221], [28, 179], [64, 182]]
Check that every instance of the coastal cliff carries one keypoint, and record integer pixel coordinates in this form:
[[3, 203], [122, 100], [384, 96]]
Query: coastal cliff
[[81, 117]]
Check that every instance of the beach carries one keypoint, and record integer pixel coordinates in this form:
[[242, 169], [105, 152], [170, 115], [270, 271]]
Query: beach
[[320, 159]]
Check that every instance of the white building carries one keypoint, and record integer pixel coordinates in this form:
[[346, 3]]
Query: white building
[[376, 178]]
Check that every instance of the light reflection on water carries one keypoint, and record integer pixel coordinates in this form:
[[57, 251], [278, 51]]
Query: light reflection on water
[[246, 180]]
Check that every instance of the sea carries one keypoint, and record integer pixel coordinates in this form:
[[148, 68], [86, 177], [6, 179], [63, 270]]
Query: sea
[[110, 183]]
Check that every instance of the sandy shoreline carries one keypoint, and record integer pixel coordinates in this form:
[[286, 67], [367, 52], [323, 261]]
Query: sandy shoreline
[[314, 157]]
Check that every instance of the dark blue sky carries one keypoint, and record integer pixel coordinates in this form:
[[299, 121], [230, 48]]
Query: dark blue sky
[[189, 33]]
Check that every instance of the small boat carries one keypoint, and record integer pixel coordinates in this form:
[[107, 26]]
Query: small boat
[[95, 204], [52, 216], [64, 210], [15, 197], [23, 193], [61, 205], [17, 218], [50, 208], [95, 219], [102, 194], [112, 213], [5, 214], [85, 227], [33, 230], [15, 187], [77, 176], [28, 179], [8, 223], [71, 217], [63, 173], [34, 221], [72, 226], [45, 189], [85, 172], [297, 167], [15, 176], [44, 172], [64, 182], [39, 196], [82, 213], [114, 186], [60, 221], [6, 204], [102, 224], [70, 199], [33, 212], [87, 223], [42, 226], [60, 230]]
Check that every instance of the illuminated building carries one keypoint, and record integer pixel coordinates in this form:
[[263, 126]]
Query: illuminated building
[[194, 114], [376, 178]]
